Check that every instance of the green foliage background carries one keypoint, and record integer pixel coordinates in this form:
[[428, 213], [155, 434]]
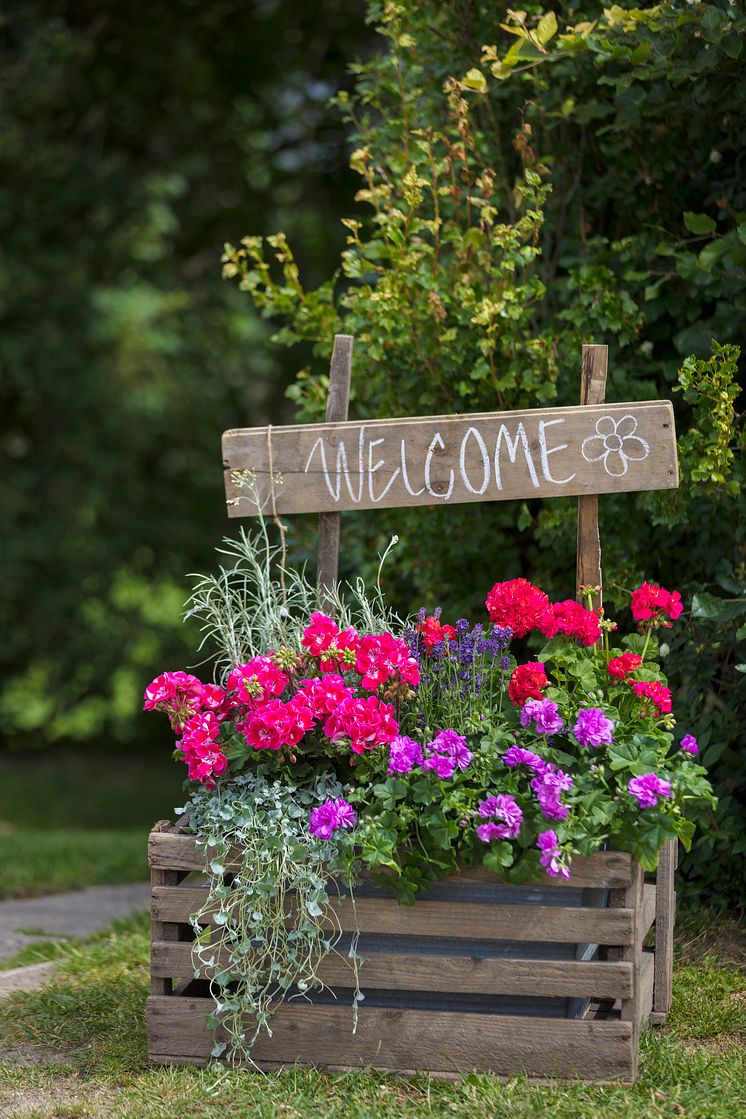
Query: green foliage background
[[131, 145], [519, 183]]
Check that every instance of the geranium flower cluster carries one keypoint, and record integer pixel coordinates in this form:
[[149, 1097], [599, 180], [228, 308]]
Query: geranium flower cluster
[[444, 743], [654, 606], [548, 781], [524, 608], [505, 809], [330, 817], [377, 658], [338, 687], [443, 755]]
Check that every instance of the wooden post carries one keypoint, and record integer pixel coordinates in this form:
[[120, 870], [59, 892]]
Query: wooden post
[[330, 524], [592, 391], [160, 930], [631, 1008], [665, 917]]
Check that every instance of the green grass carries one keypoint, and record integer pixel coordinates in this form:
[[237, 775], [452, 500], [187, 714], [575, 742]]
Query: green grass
[[71, 820], [65, 859], [91, 1020]]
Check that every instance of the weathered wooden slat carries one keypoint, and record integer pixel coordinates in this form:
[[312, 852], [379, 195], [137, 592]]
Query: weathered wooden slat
[[536, 923], [392, 1040], [665, 916], [632, 953], [648, 908], [160, 931], [547, 452], [608, 868], [489, 976], [646, 980], [167, 850], [588, 561]]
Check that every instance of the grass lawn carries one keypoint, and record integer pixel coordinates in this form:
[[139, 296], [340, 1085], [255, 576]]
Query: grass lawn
[[77, 1049], [69, 820]]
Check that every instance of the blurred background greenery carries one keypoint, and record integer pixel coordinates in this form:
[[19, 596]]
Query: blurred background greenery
[[133, 145]]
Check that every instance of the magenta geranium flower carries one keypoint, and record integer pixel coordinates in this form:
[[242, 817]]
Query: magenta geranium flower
[[548, 786], [330, 816], [551, 857], [404, 754], [648, 788], [504, 808], [689, 744], [516, 755], [543, 714], [593, 728], [367, 723]]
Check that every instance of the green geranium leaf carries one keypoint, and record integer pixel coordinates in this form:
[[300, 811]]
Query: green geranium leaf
[[498, 857]]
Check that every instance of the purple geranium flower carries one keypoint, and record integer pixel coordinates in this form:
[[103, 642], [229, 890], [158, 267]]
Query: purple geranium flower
[[490, 831], [501, 807], [331, 815], [593, 728], [404, 754], [689, 744], [440, 764], [516, 755], [453, 746], [648, 788], [543, 714], [548, 785], [551, 857]]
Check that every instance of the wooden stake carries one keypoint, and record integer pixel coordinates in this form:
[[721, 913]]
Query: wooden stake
[[665, 918], [330, 524], [592, 391]]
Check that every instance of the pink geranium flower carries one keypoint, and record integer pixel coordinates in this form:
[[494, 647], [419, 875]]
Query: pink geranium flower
[[367, 723], [325, 693], [573, 620], [382, 656], [652, 605], [319, 634], [257, 681], [177, 693], [657, 694]]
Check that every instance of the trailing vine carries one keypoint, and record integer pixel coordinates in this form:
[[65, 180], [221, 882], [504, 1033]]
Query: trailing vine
[[268, 919]]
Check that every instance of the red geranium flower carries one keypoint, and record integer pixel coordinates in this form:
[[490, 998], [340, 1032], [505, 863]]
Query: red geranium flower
[[621, 667], [658, 694], [520, 605], [574, 620], [433, 632], [527, 682], [651, 605]]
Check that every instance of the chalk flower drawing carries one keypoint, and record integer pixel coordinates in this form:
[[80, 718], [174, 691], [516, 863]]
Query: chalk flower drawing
[[616, 444]]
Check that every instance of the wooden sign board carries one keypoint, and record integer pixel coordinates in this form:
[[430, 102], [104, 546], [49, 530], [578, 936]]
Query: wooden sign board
[[492, 456]]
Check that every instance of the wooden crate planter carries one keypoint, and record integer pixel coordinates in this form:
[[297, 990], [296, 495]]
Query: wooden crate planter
[[441, 995], [537, 980]]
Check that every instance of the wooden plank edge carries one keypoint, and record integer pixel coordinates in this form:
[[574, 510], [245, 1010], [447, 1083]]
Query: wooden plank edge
[[580, 1049], [607, 869], [232, 433], [465, 975], [470, 920]]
